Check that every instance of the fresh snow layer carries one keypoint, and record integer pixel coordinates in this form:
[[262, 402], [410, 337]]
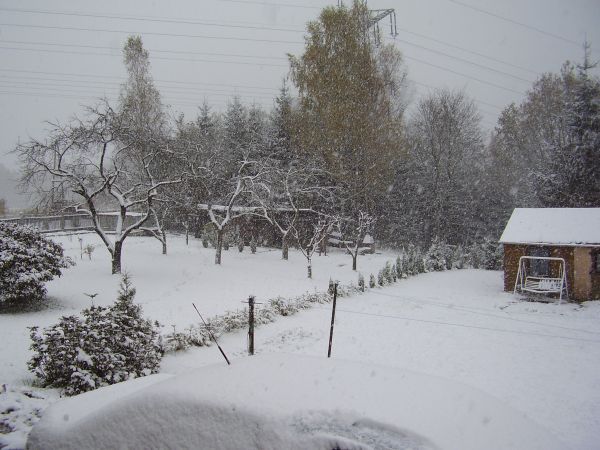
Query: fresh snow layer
[[289, 401], [540, 359], [168, 284], [566, 226]]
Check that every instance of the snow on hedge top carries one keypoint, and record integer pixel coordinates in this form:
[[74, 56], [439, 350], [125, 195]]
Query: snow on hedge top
[[558, 226]]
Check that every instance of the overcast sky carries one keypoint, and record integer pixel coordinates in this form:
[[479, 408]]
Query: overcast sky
[[59, 55]]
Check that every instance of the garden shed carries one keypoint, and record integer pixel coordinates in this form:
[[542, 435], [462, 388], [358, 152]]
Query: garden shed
[[553, 250]]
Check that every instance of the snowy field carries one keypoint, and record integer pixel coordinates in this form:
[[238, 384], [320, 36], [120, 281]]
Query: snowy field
[[526, 362]]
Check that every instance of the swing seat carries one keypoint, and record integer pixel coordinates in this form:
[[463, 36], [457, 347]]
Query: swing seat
[[537, 284], [542, 285]]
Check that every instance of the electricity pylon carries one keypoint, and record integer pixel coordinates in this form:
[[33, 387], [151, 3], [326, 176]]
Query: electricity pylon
[[376, 16]]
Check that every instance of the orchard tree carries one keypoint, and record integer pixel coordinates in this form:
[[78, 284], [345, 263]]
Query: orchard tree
[[287, 195], [353, 231], [109, 159]]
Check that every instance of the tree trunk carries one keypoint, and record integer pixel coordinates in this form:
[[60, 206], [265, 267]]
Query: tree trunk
[[219, 247], [164, 242], [116, 257], [309, 268], [354, 255], [284, 247]]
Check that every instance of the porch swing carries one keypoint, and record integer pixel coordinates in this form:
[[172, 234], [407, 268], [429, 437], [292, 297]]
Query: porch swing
[[535, 282]]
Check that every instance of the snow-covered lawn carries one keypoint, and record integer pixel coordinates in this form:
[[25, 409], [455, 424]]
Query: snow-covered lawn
[[540, 360]]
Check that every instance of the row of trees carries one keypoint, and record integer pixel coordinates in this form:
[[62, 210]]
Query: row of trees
[[341, 155]]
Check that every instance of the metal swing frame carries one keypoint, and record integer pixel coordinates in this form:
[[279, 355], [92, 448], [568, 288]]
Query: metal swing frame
[[542, 284]]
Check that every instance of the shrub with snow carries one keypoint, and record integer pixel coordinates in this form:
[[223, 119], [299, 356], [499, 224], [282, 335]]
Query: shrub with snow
[[105, 346], [439, 256], [372, 282], [27, 261]]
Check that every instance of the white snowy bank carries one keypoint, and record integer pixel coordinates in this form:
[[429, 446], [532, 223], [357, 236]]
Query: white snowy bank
[[288, 401]]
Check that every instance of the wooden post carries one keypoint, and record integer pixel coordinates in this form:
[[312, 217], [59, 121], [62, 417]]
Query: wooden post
[[332, 319], [251, 325]]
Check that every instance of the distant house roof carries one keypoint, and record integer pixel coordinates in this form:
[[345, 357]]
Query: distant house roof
[[553, 226]]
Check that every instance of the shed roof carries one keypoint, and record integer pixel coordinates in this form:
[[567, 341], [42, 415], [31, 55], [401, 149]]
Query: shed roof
[[553, 226]]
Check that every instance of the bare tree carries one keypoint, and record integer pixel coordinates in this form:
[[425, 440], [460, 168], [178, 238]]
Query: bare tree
[[288, 194], [309, 243], [353, 231], [230, 195], [94, 158]]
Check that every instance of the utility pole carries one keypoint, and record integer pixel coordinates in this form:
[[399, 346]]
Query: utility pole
[[335, 286]]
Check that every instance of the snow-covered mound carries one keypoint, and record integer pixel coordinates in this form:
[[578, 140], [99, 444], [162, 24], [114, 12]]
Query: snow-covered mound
[[288, 401]]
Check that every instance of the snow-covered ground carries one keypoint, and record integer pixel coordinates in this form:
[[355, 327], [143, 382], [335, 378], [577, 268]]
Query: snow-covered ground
[[540, 360]]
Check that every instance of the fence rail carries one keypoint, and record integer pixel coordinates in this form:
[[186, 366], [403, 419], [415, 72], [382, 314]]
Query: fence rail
[[71, 222]]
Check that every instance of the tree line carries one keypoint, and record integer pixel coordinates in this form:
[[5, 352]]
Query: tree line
[[342, 154]]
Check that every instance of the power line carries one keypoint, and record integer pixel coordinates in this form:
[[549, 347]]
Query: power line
[[464, 75], [115, 90], [183, 21], [287, 5], [82, 97], [112, 84], [269, 64], [152, 33], [165, 58], [482, 66], [102, 47], [514, 22], [98, 47], [457, 47], [148, 19], [85, 75]]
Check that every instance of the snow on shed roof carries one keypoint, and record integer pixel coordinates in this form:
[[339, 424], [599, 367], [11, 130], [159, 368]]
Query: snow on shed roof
[[557, 226]]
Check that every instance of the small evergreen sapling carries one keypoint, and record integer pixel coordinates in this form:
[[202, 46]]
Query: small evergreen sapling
[[387, 273], [381, 278], [372, 282], [109, 345], [361, 282]]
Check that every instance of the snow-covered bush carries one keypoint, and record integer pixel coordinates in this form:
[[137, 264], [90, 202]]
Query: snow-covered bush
[[381, 278], [282, 307], [388, 273], [104, 346], [439, 256], [485, 254], [27, 261], [372, 282], [361, 282], [400, 266]]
